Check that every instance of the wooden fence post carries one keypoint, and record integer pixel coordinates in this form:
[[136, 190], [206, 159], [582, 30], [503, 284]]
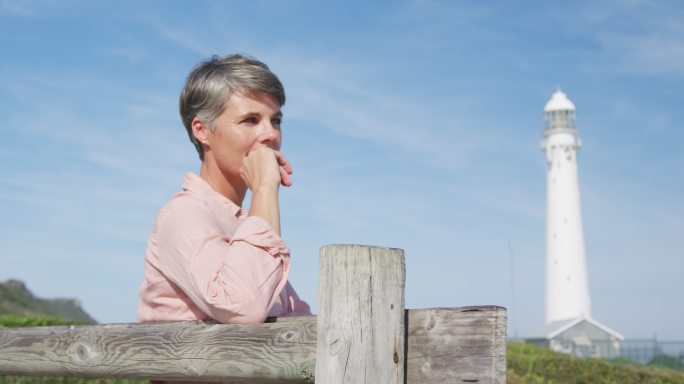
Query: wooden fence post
[[360, 315]]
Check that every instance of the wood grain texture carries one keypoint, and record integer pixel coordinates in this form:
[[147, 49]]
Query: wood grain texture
[[456, 345], [277, 352], [360, 315], [444, 345]]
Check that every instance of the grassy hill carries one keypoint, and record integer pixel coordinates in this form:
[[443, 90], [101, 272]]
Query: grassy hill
[[529, 364], [17, 300]]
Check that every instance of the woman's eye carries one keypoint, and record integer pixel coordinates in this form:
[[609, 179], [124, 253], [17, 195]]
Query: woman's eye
[[276, 122], [250, 120]]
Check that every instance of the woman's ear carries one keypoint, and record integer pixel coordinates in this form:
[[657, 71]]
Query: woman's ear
[[200, 131]]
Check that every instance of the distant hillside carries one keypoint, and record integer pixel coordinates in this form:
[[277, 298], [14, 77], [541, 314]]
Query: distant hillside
[[16, 299]]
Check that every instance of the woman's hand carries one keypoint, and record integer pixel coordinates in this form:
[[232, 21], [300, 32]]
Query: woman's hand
[[262, 170], [285, 169], [265, 167]]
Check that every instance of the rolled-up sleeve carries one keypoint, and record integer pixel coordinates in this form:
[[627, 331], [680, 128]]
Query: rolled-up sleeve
[[232, 280]]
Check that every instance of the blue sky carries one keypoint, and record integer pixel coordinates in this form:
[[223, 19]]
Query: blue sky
[[411, 124]]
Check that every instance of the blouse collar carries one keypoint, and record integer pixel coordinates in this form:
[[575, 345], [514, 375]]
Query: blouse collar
[[195, 184]]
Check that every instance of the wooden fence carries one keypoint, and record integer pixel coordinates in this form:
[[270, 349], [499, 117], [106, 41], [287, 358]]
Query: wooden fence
[[362, 334]]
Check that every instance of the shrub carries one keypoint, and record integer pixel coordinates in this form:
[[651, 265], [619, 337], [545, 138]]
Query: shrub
[[530, 364]]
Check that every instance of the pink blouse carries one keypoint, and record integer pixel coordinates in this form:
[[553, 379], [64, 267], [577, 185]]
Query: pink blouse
[[206, 259]]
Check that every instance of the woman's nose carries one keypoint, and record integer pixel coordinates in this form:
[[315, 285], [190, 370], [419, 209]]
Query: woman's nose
[[270, 136]]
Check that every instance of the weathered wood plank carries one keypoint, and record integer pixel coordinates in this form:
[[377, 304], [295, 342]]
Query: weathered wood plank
[[279, 352], [360, 315], [456, 345], [444, 345]]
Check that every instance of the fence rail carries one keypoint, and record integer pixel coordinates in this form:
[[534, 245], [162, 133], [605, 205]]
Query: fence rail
[[362, 334]]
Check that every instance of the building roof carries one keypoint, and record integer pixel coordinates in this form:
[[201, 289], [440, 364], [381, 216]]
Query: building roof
[[559, 102], [554, 329]]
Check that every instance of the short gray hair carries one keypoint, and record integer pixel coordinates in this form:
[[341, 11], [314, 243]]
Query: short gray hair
[[211, 82]]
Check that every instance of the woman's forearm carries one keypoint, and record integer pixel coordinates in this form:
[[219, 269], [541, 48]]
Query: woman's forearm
[[265, 205]]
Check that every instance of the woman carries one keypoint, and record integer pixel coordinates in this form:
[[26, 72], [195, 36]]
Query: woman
[[207, 258]]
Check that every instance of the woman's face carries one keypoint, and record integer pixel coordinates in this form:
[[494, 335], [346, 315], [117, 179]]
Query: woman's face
[[248, 120]]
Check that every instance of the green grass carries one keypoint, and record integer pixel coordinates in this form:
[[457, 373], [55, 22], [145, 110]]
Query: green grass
[[11, 321], [529, 364]]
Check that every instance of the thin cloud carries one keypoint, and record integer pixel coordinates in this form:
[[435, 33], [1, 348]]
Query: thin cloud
[[133, 55], [639, 38], [21, 8], [428, 133], [660, 52]]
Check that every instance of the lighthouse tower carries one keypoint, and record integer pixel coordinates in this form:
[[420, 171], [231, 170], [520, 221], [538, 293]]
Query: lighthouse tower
[[567, 286]]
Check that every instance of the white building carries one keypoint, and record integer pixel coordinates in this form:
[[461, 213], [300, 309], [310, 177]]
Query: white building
[[583, 337]]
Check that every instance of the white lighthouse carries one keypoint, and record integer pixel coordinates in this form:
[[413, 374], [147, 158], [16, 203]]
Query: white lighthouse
[[569, 327], [567, 285]]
